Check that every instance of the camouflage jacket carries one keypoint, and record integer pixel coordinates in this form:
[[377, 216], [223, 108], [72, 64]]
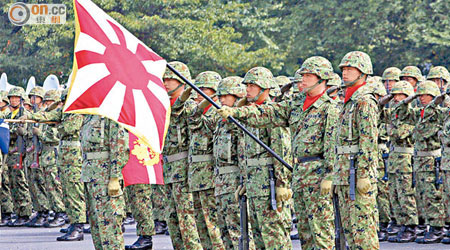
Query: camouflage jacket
[[104, 144], [227, 140], [13, 126], [357, 130], [69, 124], [176, 142], [445, 140], [312, 133]]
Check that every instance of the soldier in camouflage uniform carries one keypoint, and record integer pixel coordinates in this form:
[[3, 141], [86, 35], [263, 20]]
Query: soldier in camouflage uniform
[[36, 176], [104, 144], [401, 187], [427, 145], [390, 76], [441, 77], [16, 173], [311, 120], [202, 121], [159, 209], [445, 167], [179, 201], [335, 83], [69, 161], [226, 139], [275, 91], [270, 227], [411, 74], [357, 146], [283, 81]]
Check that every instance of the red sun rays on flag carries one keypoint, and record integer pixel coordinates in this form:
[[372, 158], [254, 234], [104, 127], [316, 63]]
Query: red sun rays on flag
[[125, 68]]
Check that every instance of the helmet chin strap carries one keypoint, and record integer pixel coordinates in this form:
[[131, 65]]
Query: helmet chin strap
[[308, 89], [173, 90], [254, 99], [351, 83]]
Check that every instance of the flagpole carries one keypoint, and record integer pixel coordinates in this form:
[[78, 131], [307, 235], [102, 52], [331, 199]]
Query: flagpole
[[27, 121], [232, 119]]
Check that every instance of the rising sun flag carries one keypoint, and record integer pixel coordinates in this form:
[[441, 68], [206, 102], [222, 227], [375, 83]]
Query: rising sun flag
[[117, 76]]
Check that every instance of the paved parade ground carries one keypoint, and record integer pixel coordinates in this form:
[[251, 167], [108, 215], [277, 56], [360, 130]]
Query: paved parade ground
[[26, 238]]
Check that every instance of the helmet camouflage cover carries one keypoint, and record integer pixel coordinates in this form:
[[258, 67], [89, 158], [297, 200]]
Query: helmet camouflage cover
[[37, 91], [16, 91], [375, 84], [359, 60], [320, 66], [4, 96], [439, 72], [259, 76], [208, 79], [26, 100], [52, 95], [402, 87], [335, 80], [231, 85], [412, 71], [282, 80], [391, 73], [428, 88], [180, 67]]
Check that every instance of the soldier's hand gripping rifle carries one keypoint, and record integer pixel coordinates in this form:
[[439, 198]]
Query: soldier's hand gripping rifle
[[385, 157], [36, 144], [285, 88], [273, 195], [385, 99], [243, 239], [437, 169], [413, 182], [352, 180]]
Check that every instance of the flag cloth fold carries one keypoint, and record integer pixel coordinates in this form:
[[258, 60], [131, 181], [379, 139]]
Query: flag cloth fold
[[140, 168], [4, 137], [117, 76]]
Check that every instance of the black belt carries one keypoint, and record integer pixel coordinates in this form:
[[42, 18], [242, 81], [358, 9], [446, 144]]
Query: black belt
[[309, 158]]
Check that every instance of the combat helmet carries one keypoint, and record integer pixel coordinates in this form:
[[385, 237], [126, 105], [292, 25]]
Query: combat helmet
[[402, 87], [208, 79], [16, 91], [52, 95], [319, 66], [412, 71], [376, 86], [335, 80], [259, 76], [428, 88], [359, 60], [231, 85], [439, 72], [180, 67], [37, 91], [391, 73]]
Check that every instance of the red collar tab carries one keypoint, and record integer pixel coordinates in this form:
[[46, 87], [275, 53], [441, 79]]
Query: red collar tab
[[310, 100], [350, 91]]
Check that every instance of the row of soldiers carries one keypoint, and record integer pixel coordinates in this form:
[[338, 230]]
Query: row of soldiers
[[71, 164]]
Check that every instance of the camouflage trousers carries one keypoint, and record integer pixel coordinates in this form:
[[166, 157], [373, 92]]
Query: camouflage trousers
[[228, 212], [69, 163], [106, 215], [52, 179], [446, 179], [403, 200], [359, 218], [37, 185], [5, 192], [19, 186], [206, 219], [158, 203], [430, 199], [140, 201], [315, 216], [384, 208], [180, 217], [268, 226]]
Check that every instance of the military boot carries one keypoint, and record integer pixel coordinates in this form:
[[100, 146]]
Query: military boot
[[87, 229], [19, 222], [75, 234], [382, 234], [420, 230], [393, 228], [160, 227], [40, 220], [58, 221], [446, 239], [295, 237], [129, 219], [435, 235], [6, 219], [67, 229], [406, 234], [143, 243]]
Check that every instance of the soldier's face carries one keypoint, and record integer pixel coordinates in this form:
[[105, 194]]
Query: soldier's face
[[425, 99], [207, 91], [440, 83], [14, 101], [27, 107], [227, 100], [399, 97], [350, 74], [171, 84], [411, 80], [389, 84], [309, 80], [252, 90], [48, 102], [35, 99]]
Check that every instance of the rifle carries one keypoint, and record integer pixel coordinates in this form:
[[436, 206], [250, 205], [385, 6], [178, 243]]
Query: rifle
[[36, 144], [385, 157], [352, 177], [243, 239], [437, 168], [413, 182], [20, 143], [339, 240], [273, 196], [285, 88]]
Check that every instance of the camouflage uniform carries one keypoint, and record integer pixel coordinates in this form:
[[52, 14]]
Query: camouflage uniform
[[140, 201], [201, 124], [5, 190], [357, 135], [105, 151], [226, 176], [69, 160], [413, 71], [401, 189], [179, 201], [313, 151], [443, 76], [158, 206]]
